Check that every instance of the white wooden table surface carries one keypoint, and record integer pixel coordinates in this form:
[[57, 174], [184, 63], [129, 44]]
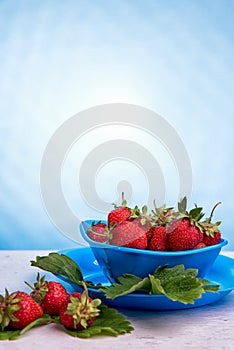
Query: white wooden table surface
[[207, 327]]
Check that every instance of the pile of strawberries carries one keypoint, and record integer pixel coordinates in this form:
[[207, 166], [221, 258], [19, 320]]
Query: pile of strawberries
[[75, 311], [164, 229]]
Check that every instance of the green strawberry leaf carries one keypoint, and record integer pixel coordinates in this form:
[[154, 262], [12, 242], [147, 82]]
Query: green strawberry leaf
[[176, 283], [163, 273], [180, 284], [183, 289], [44, 319], [209, 287], [109, 322], [12, 334], [156, 287], [60, 264], [182, 205], [196, 213], [9, 334], [127, 284]]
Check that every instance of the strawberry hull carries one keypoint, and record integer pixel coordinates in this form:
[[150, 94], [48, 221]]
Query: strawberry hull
[[116, 261]]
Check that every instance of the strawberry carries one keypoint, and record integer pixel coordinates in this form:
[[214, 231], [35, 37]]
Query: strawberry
[[142, 219], [49, 295], [99, 232], [159, 239], [183, 235], [211, 231], [162, 215], [146, 226], [211, 240], [78, 310], [185, 230], [118, 214], [200, 245], [129, 234], [18, 309]]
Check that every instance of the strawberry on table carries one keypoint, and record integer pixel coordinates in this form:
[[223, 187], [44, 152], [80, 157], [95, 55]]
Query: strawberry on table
[[49, 295], [78, 310], [18, 309]]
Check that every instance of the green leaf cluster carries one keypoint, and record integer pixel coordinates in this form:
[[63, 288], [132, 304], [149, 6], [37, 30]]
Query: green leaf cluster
[[108, 321], [176, 283]]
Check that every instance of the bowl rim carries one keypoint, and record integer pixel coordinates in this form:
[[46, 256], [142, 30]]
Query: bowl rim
[[94, 244]]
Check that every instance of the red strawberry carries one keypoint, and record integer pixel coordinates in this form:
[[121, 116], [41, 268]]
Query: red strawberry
[[162, 215], [185, 231], [99, 232], [146, 226], [211, 239], [142, 219], [118, 214], [18, 309], [183, 235], [159, 239], [129, 234], [49, 295], [78, 310], [199, 245], [211, 231]]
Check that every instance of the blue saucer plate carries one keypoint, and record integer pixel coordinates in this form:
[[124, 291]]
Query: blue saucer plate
[[222, 273]]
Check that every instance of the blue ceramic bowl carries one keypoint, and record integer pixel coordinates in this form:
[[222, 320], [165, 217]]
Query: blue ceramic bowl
[[116, 261]]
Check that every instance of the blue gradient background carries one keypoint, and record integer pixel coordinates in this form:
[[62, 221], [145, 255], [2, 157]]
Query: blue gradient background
[[60, 57]]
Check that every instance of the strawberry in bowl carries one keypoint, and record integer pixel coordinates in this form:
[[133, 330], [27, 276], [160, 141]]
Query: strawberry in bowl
[[137, 243]]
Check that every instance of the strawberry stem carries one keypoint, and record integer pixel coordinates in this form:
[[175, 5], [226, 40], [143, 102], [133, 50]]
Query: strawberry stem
[[124, 202], [29, 285], [86, 293], [212, 211]]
